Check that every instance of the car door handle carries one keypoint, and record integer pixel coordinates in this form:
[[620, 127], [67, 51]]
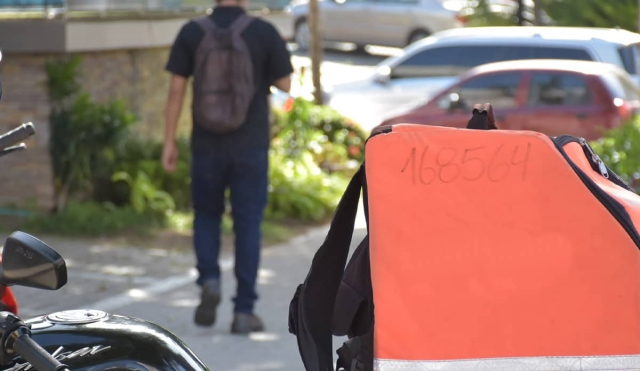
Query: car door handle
[[581, 115]]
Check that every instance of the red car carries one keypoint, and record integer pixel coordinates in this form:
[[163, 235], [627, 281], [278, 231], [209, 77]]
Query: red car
[[553, 97]]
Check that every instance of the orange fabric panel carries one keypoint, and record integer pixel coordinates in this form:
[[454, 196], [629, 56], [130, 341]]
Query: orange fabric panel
[[487, 244]]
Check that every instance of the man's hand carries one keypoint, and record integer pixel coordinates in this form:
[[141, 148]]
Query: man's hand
[[283, 84], [177, 89], [170, 156]]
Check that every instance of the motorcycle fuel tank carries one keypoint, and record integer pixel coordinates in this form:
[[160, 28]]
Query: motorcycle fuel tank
[[92, 340]]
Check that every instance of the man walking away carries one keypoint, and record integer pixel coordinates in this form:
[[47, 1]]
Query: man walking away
[[234, 59]]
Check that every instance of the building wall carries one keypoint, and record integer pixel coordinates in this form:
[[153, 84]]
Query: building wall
[[137, 76]]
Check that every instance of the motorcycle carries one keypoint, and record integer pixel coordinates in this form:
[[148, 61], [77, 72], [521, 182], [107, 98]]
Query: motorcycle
[[82, 339], [74, 339]]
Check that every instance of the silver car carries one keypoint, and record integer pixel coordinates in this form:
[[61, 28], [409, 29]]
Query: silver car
[[421, 70], [393, 23]]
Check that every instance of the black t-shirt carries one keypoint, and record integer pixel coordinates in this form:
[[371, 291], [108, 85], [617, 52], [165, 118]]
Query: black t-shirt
[[271, 61]]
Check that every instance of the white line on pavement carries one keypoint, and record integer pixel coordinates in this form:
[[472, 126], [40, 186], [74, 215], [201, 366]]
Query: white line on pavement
[[111, 278], [165, 285]]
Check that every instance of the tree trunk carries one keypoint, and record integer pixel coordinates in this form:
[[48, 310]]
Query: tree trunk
[[537, 12], [520, 14], [316, 50], [63, 195]]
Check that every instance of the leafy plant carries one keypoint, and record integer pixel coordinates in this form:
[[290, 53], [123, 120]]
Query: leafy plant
[[620, 150], [299, 189], [63, 79], [333, 141], [313, 151], [144, 193], [82, 131]]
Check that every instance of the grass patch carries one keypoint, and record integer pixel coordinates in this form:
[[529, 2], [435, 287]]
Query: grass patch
[[92, 219], [124, 225], [273, 231]]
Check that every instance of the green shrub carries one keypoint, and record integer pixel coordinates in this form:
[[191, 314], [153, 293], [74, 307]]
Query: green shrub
[[120, 176], [314, 151], [143, 194], [145, 155], [83, 132], [310, 144], [334, 141], [620, 150], [300, 189]]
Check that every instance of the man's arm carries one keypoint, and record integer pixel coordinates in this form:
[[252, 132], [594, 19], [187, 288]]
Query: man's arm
[[175, 99], [280, 68]]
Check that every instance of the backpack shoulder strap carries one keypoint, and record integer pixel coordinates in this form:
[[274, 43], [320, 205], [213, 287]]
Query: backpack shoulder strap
[[241, 23], [312, 307], [206, 23]]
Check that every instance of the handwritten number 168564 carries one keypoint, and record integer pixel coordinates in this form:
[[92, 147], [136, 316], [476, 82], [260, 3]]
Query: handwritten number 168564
[[448, 164]]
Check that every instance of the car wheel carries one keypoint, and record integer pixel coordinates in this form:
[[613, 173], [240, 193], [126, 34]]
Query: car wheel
[[360, 49], [303, 35], [417, 35]]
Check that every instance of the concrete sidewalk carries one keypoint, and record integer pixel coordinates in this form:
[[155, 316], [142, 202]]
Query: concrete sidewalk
[[283, 268], [157, 285]]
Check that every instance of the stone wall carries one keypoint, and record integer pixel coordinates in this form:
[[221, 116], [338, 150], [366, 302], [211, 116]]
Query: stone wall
[[137, 76], [25, 177]]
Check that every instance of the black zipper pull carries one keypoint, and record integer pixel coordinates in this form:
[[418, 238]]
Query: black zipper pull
[[595, 158]]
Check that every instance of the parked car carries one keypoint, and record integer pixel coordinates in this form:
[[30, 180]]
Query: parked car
[[553, 97], [395, 23], [428, 65]]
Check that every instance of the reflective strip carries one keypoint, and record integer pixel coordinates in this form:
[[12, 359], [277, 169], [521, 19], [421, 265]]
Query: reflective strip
[[599, 363]]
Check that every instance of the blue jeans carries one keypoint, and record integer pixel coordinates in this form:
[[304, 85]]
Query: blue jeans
[[245, 173]]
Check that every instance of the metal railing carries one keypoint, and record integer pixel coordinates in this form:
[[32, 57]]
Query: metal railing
[[106, 7]]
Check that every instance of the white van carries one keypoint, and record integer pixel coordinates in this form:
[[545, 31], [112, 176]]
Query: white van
[[430, 64]]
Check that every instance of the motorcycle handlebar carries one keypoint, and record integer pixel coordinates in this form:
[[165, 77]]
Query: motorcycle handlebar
[[31, 352], [16, 135]]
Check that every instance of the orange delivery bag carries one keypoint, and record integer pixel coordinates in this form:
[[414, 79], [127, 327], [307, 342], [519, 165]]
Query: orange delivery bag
[[485, 250]]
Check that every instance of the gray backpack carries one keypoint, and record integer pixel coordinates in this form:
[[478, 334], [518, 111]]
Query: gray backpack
[[223, 85]]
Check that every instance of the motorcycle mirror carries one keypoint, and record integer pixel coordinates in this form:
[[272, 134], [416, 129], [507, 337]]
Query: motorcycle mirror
[[29, 262]]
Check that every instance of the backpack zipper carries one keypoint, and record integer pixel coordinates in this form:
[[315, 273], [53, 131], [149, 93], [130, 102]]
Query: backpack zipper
[[614, 207], [596, 162], [595, 158]]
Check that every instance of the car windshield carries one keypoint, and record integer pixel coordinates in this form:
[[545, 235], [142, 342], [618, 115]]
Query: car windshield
[[629, 55]]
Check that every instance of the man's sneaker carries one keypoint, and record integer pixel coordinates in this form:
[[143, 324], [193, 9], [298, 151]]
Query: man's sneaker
[[246, 323], [209, 299]]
